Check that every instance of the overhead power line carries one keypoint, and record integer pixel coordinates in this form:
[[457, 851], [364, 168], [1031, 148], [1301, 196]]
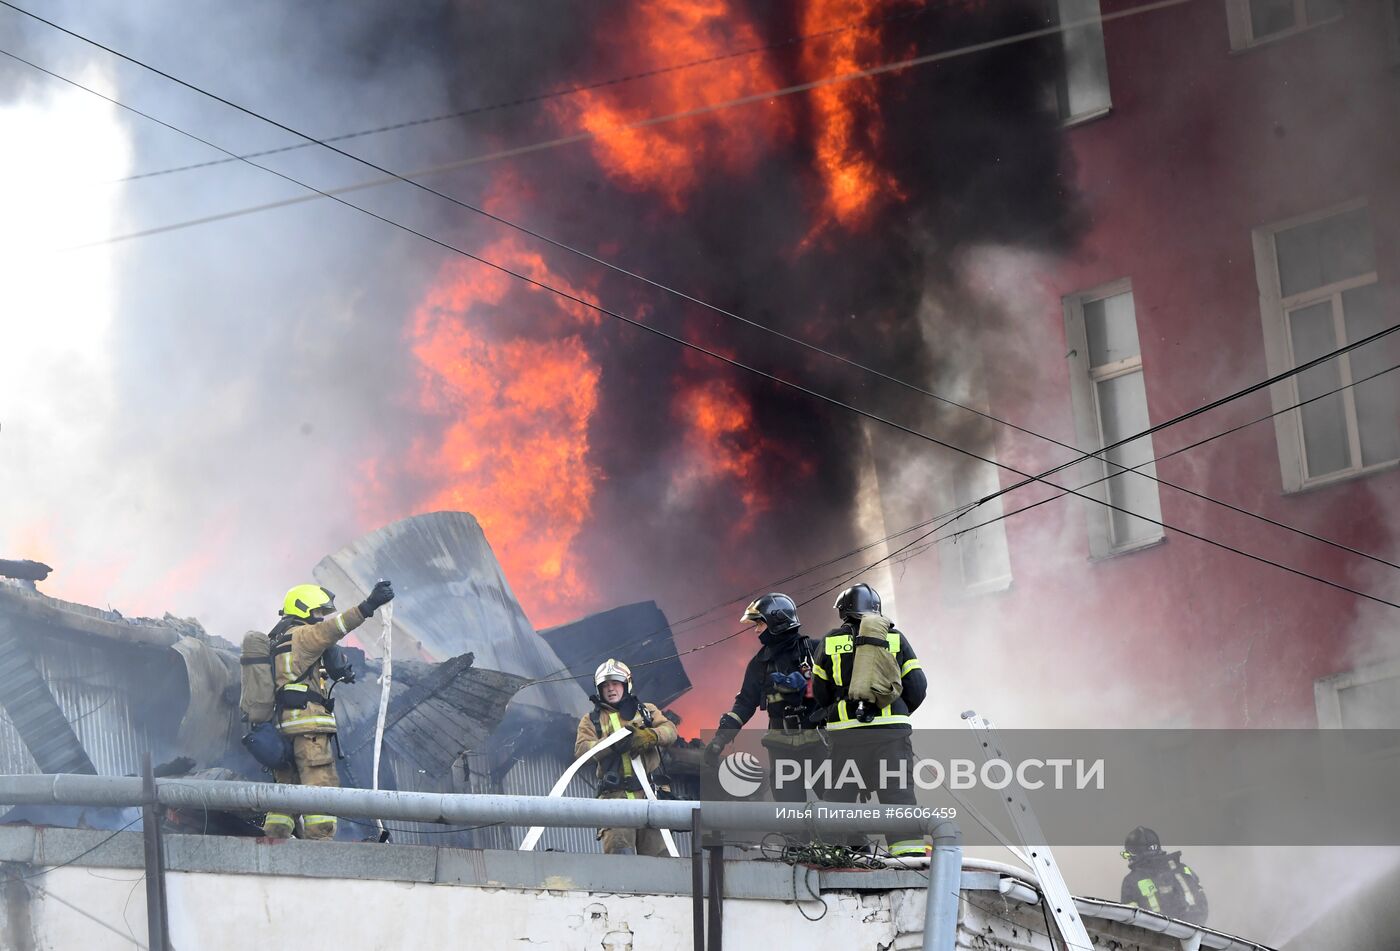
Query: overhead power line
[[408, 178], [798, 387], [1202, 442], [539, 97], [310, 140]]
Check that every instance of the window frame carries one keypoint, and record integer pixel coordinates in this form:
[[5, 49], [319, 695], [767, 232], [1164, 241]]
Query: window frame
[[1327, 691], [953, 567], [1241, 25], [1062, 95], [1274, 311], [1088, 418]]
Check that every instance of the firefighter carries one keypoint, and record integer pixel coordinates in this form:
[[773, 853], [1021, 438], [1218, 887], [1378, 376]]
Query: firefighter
[[1159, 881], [778, 680], [616, 708], [871, 735], [304, 710]]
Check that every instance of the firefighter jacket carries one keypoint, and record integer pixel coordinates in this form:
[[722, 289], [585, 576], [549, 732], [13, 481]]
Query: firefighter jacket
[[614, 768], [832, 674], [302, 687], [789, 711], [1161, 882]]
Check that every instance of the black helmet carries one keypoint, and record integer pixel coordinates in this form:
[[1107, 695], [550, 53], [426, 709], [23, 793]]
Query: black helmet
[[1141, 841], [776, 610], [857, 599]]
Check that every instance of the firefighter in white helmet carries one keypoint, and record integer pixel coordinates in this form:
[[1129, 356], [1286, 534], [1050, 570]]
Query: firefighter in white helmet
[[616, 708]]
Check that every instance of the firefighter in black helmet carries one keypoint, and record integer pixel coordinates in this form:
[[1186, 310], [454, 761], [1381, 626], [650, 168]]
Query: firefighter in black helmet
[[869, 682], [1159, 881], [778, 680]]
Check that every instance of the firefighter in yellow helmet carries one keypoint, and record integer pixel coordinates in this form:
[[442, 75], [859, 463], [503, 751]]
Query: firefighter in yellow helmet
[[615, 708], [309, 627]]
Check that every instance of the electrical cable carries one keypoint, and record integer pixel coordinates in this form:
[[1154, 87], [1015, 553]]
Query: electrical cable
[[539, 97], [1202, 442], [88, 851], [88, 915], [731, 315], [408, 177], [792, 385], [563, 246]]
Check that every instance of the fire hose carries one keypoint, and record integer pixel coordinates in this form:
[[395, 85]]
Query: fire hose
[[532, 837]]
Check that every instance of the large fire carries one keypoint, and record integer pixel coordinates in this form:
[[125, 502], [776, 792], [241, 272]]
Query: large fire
[[846, 115], [669, 158], [511, 385]]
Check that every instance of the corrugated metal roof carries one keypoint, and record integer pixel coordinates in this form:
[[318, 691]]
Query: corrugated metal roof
[[451, 598], [637, 634]]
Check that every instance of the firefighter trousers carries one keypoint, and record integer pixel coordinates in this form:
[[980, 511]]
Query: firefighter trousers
[[875, 762], [313, 765], [630, 841]]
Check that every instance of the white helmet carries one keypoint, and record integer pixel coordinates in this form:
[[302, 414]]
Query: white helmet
[[612, 669]]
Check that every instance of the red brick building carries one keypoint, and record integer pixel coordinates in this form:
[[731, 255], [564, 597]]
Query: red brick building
[[1239, 162]]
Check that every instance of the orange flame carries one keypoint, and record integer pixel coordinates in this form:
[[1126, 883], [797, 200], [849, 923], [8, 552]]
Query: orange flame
[[668, 158], [846, 114], [515, 410], [721, 443]]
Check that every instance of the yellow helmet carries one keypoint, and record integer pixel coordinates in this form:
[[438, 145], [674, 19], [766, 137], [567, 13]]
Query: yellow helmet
[[304, 599], [611, 669]]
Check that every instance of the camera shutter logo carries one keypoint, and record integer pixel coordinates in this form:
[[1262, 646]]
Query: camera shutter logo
[[741, 774]]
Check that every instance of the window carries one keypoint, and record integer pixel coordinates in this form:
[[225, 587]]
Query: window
[[978, 562], [1081, 89], [1110, 404], [1365, 698], [1258, 21], [1318, 292]]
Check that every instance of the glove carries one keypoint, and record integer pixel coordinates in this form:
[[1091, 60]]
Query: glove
[[624, 745], [643, 738], [381, 594], [713, 751], [792, 682]]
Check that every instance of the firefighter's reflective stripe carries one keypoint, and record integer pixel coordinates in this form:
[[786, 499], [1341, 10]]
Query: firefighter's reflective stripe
[[733, 716], [317, 723], [908, 847], [845, 644], [309, 821], [1148, 889], [844, 723], [278, 825], [340, 623], [615, 724], [817, 671], [910, 665], [1186, 892], [835, 647]]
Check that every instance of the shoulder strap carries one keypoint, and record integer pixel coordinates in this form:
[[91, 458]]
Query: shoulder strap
[[646, 712], [597, 720]]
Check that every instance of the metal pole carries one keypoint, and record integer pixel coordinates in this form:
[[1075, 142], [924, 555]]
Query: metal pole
[[155, 877], [697, 881], [944, 889], [716, 937]]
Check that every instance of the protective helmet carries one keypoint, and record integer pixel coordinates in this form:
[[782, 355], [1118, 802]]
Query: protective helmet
[[1140, 841], [305, 599], [857, 599], [776, 610], [612, 669]]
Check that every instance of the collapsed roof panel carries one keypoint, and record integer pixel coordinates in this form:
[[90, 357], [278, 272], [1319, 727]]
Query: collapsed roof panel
[[451, 598], [636, 634]]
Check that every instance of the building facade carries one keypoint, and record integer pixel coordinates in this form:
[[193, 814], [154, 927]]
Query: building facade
[[1239, 167]]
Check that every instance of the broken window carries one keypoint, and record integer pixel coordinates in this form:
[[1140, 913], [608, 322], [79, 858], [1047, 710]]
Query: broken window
[[1318, 292], [1110, 401], [1258, 21]]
